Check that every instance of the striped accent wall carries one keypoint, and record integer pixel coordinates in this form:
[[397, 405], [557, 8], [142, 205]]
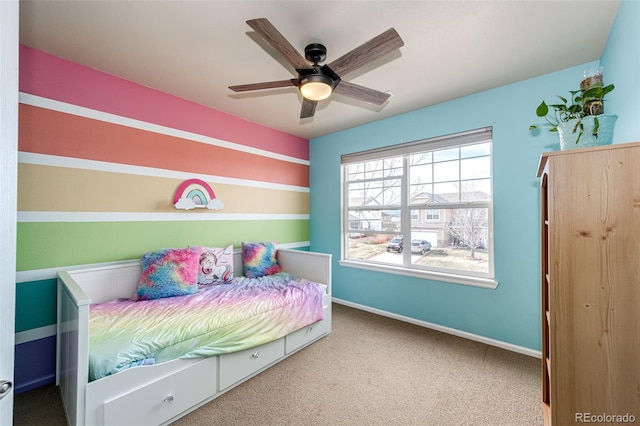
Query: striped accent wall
[[100, 159]]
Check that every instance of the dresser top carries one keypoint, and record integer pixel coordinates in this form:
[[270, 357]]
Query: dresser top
[[546, 155]]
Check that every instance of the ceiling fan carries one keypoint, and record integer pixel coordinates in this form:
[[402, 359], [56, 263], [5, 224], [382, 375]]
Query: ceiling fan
[[317, 82]]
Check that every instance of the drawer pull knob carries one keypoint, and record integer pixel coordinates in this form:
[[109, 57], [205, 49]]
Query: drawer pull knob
[[255, 355], [168, 399]]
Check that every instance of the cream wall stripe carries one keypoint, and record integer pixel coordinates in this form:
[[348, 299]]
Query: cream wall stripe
[[64, 107], [51, 273], [78, 163], [98, 191], [31, 216]]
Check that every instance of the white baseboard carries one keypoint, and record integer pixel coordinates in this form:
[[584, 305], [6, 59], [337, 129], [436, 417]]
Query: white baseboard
[[448, 330]]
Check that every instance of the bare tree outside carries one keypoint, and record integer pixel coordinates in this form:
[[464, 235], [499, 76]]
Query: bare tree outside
[[468, 228]]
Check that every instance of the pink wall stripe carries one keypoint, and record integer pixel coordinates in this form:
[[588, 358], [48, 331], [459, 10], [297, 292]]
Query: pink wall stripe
[[55, 78]]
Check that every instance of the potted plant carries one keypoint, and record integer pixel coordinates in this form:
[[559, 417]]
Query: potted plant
[[579, 120]]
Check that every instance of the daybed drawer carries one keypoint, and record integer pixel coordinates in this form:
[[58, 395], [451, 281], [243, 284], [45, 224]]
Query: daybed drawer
[[159, 401], [301, 337], [238, 365]]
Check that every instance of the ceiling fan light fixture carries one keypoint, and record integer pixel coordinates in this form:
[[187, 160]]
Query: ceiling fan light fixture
[[316, 87], [317, 82]]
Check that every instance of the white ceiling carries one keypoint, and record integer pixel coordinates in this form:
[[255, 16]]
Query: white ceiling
[[196, 49]]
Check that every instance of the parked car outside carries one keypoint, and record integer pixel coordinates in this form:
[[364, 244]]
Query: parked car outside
[[420, 246], [395, 245]]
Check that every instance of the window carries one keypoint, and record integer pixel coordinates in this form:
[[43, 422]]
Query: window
[[431, 214], [422, 208]]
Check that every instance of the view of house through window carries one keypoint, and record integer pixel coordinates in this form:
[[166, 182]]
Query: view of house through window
[[424, 205]]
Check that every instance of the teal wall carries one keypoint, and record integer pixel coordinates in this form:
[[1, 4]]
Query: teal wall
[[36, 304], [510, 313]]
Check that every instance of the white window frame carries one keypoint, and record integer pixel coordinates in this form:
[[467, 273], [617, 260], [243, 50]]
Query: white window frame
[[485, 280]]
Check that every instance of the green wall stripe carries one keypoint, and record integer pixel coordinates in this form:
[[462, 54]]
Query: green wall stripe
[[50, 244], [35, 304]]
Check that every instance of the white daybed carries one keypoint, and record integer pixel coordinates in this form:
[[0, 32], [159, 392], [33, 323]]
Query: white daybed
[[161, 393]]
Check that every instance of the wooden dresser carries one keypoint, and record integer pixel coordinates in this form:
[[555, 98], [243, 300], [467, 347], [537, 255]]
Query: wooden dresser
[[590, 201]]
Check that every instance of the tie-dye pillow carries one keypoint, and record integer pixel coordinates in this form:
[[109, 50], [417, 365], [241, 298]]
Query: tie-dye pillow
[[216, 266], [259, 259], [169, 272]]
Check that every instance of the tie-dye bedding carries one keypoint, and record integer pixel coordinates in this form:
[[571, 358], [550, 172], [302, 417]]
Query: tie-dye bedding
[[218, 319]]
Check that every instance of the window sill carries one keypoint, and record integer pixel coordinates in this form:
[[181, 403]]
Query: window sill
[[430, 275]]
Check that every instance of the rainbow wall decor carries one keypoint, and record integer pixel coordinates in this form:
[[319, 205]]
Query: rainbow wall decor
[[196, 193]]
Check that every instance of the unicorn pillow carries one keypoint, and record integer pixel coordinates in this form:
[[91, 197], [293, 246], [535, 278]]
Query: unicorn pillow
[[216, 266]]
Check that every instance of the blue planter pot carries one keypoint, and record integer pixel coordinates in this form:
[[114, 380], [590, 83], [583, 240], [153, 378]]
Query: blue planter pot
[[569, 137]]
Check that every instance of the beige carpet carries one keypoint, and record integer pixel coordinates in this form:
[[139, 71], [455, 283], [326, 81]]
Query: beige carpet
[[371, 370]]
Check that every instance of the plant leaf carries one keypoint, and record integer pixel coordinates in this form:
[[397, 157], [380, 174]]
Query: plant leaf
[[581, 130], [542, 109], [579, 123], [575, 109]]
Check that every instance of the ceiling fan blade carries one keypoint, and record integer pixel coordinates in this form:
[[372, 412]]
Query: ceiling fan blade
[[373, 49], [361, 93], [265, 85], [276, 40], [308, 108]]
